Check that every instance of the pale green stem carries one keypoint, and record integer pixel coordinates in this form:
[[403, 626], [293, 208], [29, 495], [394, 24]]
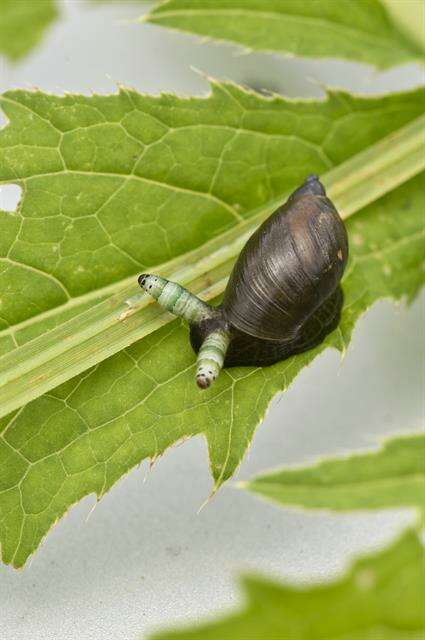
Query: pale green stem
[[126, 315]]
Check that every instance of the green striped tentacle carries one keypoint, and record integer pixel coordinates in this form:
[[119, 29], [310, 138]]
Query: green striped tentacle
[[174, 298], [211, 357]]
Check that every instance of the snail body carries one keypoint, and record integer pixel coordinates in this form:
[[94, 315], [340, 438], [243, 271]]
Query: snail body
[[283, 295]]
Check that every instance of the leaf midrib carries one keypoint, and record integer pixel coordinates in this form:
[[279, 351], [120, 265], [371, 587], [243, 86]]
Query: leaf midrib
[[124, 283], [392, 246]]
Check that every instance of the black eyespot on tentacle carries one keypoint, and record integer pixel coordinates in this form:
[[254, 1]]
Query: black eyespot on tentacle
[[142, 279]]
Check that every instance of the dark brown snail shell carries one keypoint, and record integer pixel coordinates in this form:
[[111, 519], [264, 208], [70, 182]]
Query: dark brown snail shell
[[283, 296]]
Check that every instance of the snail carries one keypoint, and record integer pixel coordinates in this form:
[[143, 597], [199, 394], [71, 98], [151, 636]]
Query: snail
[[283, 295]]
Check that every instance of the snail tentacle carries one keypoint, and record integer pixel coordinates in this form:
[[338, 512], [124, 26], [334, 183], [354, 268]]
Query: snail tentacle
[[174, 298], [211, 357]]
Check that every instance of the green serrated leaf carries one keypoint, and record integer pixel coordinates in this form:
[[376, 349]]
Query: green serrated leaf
[[23, 24], [393, 476], [359, 30], [83, 436], [379, 598]]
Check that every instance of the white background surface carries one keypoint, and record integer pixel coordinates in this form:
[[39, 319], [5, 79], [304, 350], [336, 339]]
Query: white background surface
[[144, 557]]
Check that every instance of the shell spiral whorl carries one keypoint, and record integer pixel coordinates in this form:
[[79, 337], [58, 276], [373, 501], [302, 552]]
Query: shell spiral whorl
[[283, 296]]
